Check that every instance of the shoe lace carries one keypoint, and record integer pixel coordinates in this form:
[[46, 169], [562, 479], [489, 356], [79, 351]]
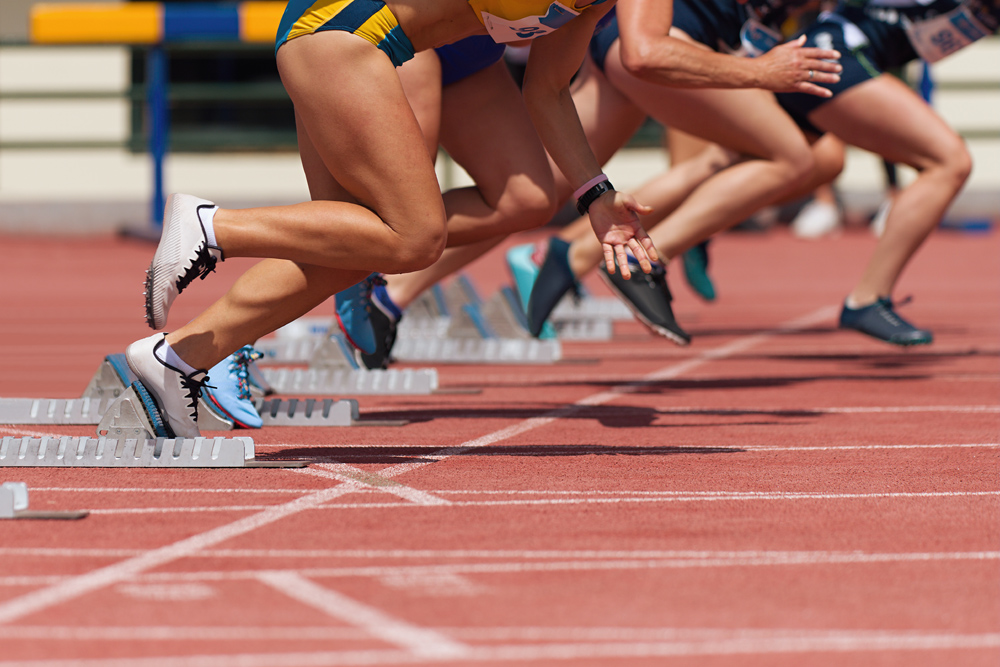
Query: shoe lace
[[193, 384], [203, 264], [239, 363], [886, 310]]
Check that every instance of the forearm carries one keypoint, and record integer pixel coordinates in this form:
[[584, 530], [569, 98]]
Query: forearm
[[674, 62], [558, 125]]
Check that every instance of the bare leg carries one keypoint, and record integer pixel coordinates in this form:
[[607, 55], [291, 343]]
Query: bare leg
[[404, 289], [749, 122], [376, 141], [884, 116], [486, 129]]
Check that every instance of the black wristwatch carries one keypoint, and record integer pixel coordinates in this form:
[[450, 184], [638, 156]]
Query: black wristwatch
[[591, 195]]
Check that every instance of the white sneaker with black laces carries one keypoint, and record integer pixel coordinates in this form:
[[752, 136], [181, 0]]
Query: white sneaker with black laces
[[176, 394], [182, 255]]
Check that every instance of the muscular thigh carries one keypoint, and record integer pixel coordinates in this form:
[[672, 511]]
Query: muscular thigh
[[486, 129], [748, 121], [351, 107]]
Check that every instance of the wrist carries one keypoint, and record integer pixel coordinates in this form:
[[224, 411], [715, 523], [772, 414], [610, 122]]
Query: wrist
[[590, 191]]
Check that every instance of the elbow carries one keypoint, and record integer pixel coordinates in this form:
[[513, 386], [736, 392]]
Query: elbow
[[637, 60]]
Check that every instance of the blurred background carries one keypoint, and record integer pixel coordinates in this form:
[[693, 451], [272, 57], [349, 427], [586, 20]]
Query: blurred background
[[76, 128]]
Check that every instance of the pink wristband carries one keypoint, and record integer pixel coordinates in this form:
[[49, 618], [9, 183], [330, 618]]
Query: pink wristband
[[589, 184]]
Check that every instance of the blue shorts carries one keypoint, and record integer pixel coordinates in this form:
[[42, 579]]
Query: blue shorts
[[369, 19], [467, 56], [882, 49]]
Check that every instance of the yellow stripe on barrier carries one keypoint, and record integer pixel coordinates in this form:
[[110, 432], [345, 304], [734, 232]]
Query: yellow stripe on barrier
[[259, 21], [126, 23]]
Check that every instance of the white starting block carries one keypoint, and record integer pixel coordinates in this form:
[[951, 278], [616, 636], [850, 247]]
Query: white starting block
[[131, 434], [113, 377], [14, 505]]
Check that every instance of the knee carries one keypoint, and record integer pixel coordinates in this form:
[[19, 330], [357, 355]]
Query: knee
[[420, 248], [958, 162], [526, 204]]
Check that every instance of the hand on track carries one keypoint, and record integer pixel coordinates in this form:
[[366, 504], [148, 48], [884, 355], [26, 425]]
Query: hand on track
[[615, 219], [793, 68]]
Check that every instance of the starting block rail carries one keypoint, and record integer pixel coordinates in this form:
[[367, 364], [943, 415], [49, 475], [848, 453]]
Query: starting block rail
[[104, 452], [313, 381], [14, 505]]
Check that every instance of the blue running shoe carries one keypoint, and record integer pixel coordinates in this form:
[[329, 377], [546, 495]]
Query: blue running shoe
[[555, 279], [230, 393], [524, 272], [354, 307], [696, 271], [879, 320]]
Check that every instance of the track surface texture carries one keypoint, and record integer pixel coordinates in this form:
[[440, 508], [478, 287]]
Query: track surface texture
[[778, 493]]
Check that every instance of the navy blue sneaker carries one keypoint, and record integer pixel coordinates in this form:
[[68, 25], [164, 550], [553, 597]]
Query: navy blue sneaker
[[555, 278], [230, 393], [354, 307], [695, 263], [648, 297], [384, 319], [879, 320], [524, 272]]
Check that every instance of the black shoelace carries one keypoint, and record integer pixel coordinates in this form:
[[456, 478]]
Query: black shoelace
[[193, 384], [203, 264]]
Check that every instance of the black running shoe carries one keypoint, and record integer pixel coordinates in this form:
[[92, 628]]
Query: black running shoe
[[555, 279], [648, 296], [384, 329], [879, 320]]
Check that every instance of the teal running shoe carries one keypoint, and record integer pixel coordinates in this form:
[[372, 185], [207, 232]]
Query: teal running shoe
[[879, 320], [354, 307], [524, 272], [696, 271], [229, 393]]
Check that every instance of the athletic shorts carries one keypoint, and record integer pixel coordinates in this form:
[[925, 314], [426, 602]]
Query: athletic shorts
[[867, 49], [714, 23], [369, 19], [467, 56]]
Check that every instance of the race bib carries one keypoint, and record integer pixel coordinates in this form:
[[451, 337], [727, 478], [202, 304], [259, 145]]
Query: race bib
[[529, 27], [757, 39], [937, 37]]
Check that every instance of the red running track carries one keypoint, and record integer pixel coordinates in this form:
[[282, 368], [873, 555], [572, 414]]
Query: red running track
[[779, 493]]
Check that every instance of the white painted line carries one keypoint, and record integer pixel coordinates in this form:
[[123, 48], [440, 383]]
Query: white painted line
[[144, 490], [69, 589], [16, 608], [421, 641], [694, 560], [366, 481], [532, 554], [804, 411], [601, 498], [601, 398], [846, 642]]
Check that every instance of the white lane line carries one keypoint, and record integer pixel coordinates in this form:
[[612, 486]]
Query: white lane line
[[529, 554], [69, 589], [38, 600], [846, 642], [805, 411], [504, 633], [421, 641], [666, 497], [366, 481], [629, 562], [603, 397], [141, 489]]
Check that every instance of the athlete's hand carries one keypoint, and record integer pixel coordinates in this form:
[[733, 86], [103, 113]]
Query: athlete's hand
[[794, 68], [615, 219]]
